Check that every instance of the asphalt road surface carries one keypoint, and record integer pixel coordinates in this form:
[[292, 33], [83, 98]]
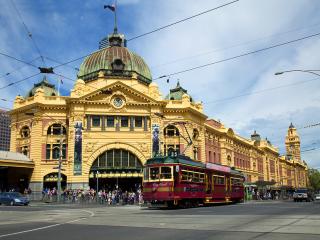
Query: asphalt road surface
[[254, 220]]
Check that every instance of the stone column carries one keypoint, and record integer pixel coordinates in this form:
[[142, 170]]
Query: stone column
[[145, 124], [103, 124], [131, 123], [88, 122]]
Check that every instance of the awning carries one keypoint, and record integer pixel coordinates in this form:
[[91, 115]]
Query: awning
[[14, 159]]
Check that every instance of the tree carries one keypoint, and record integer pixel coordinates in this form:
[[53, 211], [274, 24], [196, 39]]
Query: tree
[[314, 179]]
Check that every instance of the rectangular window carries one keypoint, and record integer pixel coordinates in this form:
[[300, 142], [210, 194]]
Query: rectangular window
[[48, 151], [55, 151], [124, 121], [236, 181], [138, 122], [166, 172], [154, 173], [196, 177], [184, 176], [95, 121], [218, 180], [110, 121]]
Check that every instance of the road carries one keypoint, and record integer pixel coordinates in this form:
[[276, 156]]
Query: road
[[254, 220]]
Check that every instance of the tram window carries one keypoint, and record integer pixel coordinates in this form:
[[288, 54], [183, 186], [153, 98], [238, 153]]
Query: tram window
[[201, 177], [184, 176], [154, 173], [219, 180], [166, 172], [190, 176], [146, 173], [236, 181], [196, 177]]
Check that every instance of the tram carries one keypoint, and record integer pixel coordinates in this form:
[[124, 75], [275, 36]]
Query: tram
[[178, 181]]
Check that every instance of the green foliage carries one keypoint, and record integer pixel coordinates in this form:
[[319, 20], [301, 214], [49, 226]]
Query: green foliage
[[314, 179]]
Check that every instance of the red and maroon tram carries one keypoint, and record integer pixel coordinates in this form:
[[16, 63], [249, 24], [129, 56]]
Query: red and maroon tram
[[180, 181]]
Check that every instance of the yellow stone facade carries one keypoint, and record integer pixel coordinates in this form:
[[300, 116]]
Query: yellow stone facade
[[35, 120]]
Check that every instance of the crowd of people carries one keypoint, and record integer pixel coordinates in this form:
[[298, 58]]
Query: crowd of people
[[270, 195], [112, 197]]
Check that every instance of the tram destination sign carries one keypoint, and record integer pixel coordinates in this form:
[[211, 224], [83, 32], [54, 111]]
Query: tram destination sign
[[218, 167]]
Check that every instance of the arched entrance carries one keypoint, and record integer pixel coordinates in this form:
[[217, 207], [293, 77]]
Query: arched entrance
[[50, 181], [116, 169]]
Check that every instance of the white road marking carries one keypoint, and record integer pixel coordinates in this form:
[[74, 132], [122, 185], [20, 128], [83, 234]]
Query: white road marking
[[49, 226]]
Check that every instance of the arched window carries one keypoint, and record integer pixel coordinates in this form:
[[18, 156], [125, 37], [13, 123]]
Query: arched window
[[25, 132], [55, 129], [117, 159], [171, 131]]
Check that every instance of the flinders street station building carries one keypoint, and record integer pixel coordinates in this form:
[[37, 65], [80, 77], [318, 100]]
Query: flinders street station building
[[115, 119]]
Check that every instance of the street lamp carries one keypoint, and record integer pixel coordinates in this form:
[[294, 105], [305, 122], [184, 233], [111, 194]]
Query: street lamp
[[314, 72]]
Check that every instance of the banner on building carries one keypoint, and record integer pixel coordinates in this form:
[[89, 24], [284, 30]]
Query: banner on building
[[155, 139], [77, 169]]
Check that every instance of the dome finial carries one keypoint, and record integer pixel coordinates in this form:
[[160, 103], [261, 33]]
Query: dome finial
[[291, 125]]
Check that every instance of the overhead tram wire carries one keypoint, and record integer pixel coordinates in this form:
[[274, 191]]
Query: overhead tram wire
[[260, 91], [18, 60], [55, 61], [16, 70], [158, 29], [238, 56], [233, 46], [28, 32], [19, 81], [182, 20]]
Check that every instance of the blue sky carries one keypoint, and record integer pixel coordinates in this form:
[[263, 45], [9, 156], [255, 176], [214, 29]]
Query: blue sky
[[65, 30]]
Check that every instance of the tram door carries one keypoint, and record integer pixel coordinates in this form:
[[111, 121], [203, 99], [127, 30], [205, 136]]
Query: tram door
[[228, 187]]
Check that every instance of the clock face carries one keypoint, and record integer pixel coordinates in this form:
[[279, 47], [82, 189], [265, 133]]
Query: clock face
[[117, 102]]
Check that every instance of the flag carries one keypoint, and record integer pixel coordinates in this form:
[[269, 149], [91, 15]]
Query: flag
[[111, 7], [61, 81]]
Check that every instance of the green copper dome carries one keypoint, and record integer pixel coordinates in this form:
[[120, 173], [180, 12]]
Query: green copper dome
[[48, 88], [177, 93], [114, 60]]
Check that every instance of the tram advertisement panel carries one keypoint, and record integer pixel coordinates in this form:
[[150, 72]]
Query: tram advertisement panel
[[77, 169], [155, 139]]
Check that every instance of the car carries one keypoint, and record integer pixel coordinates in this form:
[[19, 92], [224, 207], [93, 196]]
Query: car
[[302, 194], [317, 198], [13, 198]]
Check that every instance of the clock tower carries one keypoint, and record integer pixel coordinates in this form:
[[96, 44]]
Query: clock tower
[[293, 144]]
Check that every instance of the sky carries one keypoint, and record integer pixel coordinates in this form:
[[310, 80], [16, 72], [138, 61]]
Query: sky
[[242, 93]]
